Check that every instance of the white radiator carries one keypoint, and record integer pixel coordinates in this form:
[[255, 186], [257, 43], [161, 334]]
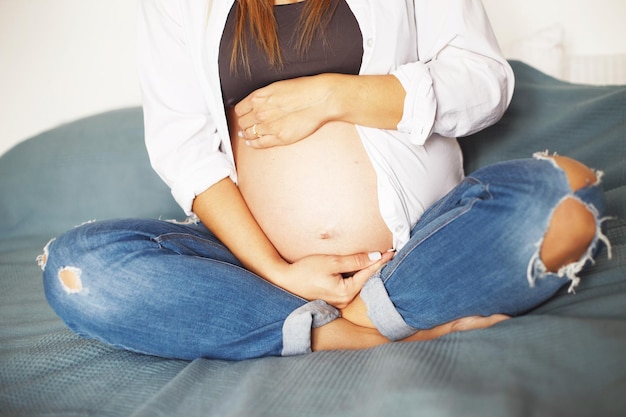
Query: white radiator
[[601, 69]]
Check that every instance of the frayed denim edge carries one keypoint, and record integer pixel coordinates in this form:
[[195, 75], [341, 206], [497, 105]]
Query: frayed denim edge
[[189, 220], [42, 259], [536, 267]]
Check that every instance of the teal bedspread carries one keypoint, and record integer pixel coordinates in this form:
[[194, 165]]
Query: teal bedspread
[[566, 358]]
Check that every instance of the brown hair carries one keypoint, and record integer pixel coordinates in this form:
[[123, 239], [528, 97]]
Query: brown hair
[[256, 17]]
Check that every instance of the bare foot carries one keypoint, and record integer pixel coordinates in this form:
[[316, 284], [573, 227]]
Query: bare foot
[[458, 325], [356, 313], [341, 334]]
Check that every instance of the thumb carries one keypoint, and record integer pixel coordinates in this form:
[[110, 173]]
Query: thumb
[[372, 263], [348, 264]]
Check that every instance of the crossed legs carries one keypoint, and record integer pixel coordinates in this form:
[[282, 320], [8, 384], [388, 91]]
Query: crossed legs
[[570, 232]]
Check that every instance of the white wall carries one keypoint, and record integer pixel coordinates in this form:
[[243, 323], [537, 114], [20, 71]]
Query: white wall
[[591, 26], [580, 41], [64, 59]]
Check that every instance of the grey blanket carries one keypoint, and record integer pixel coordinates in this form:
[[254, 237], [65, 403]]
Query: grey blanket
[[566, 358]]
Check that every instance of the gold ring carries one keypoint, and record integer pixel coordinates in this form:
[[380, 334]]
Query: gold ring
[[255, 132]]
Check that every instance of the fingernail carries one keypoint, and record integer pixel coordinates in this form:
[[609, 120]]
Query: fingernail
[[240, 133], [375, 256], [247, 143]]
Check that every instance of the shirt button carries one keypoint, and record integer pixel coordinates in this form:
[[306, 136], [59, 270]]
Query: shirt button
[[370, 42]]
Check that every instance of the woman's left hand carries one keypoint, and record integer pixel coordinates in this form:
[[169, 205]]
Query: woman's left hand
[[286, 111], [321, 277]]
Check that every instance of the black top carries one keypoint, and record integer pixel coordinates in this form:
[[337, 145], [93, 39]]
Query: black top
[[340, 50]]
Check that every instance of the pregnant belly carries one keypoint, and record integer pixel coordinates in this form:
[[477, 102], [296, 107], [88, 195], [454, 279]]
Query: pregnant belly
[[318, 196]]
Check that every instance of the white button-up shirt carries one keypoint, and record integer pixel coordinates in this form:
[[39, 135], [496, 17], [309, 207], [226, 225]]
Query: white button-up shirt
[[443, 52]]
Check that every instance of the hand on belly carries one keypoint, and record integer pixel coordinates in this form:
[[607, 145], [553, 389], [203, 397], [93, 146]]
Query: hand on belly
[[317, 196]]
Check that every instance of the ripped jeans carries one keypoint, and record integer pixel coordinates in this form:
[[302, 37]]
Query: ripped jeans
[[173, 290]]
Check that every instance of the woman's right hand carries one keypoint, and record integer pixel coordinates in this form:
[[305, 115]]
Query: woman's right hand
[[323, 277]]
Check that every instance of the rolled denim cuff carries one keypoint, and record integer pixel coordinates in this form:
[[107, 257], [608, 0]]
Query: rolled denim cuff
[[382, 312], [298, 325]]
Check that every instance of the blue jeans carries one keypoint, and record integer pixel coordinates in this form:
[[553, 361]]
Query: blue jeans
[[174, 290]]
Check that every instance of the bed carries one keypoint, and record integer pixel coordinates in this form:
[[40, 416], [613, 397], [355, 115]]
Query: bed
[[565, 358]]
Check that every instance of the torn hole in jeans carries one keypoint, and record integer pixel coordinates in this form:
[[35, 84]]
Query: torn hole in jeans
[[537, 269], [70, 278]]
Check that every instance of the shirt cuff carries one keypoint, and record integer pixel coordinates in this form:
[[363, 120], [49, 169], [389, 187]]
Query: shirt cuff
[[420, 105], [200, 177]]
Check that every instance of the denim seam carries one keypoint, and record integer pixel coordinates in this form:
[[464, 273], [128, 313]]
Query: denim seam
[[392, 325], [402, 254], [158, 240], [173, 235]]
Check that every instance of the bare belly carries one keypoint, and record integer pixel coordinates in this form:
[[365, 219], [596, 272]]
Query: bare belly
[[318, 196]]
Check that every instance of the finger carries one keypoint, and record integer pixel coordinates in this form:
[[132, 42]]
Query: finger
[[349, 287], [247, 122], [263, 142], [360, 277], [243, 107], [349, 265], [253, 131], [253, 101]]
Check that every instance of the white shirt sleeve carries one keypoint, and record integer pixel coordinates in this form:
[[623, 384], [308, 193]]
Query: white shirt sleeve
[[181, 137], [461, 82]]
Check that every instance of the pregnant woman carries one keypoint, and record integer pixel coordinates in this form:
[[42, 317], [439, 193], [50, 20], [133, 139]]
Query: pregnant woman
[[313, 146]]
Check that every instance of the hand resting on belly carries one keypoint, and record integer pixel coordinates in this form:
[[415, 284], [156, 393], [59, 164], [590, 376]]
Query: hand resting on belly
[[316, 196]]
